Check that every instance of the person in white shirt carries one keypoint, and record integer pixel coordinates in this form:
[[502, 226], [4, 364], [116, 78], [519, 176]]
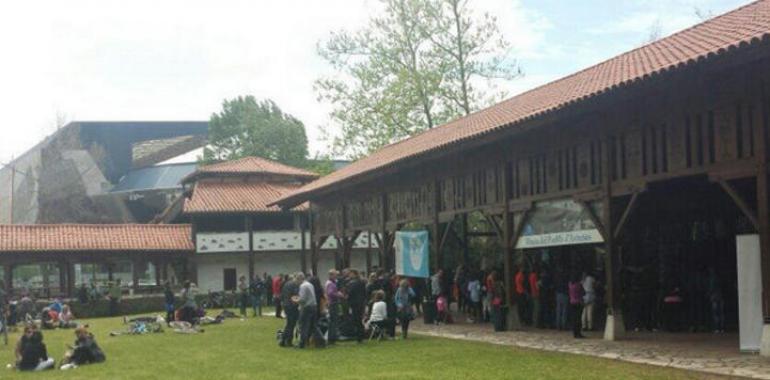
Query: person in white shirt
[[308, 313], [379, 315], [589, 299]]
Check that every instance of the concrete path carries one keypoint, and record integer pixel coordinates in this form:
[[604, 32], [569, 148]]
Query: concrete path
[[710, 353]]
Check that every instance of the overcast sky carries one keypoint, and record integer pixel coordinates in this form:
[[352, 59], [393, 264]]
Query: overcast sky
[[178, 59]]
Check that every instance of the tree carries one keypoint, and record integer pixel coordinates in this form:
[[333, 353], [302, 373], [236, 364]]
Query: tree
[[247, 127], [472, 48], [409, 70]]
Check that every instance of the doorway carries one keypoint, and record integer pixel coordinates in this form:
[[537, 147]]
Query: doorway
[[230, 278]]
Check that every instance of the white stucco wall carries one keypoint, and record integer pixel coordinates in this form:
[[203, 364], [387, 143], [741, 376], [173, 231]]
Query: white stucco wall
[[211, 266]]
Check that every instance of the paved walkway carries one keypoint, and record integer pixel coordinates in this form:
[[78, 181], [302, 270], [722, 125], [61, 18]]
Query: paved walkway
[[715, 354]]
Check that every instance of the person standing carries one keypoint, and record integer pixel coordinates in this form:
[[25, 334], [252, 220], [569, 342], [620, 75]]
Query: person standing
[[562, 300], [189, 306], [519, 281], [356, 291], [308, 310], [256, 288], [589, 299], [288, 298], [276, 287], [575, 289], [114, 294], [474, 296], [436, 284], [404, 310], [169, 298], [333, 298], [243, 295], [534, 291]]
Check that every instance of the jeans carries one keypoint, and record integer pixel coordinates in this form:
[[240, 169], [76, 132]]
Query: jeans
[[562, 304], [333, 322], [256, 305], [170, 312], [292, 315], [308, 317], [244, 301]]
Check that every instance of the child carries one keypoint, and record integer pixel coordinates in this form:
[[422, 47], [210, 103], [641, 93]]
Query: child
[[441, 309]]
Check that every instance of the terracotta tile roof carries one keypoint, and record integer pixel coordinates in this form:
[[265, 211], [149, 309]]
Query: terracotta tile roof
[[249, 165], [746, 25], [236, 197], [95, 237]]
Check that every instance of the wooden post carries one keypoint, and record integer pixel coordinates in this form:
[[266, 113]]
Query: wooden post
[[435, 230], [158, 280], [303, 245], [46, 280], [368, 252], [466, 248], [135, 264], [614, 327], [250, 231], [63, 278], [763, 213], [8, 277], [509, 245], [314, 243], [71, 286], [337, 253], [384, 238]]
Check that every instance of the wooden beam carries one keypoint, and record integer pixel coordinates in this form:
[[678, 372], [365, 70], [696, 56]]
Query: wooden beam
[[740, 202], [303, 244], [445, 234], [626, 214], [595, 219], [466, 249]]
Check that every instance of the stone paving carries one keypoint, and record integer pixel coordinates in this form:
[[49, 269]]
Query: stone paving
[[710, 353]]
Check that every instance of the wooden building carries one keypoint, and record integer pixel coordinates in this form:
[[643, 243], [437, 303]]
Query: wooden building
[[674, 133]]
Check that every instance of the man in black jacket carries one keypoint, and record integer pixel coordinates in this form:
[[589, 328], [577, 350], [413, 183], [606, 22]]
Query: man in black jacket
[[356, 291]]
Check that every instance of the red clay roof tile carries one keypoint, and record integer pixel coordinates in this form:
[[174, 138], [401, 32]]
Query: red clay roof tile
[[250, 165], [236, 197], [95, 237]]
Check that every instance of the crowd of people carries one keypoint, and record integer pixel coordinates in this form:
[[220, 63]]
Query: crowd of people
[[347, 306]]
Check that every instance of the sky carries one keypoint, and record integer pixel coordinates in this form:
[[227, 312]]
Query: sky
[[179, 59]]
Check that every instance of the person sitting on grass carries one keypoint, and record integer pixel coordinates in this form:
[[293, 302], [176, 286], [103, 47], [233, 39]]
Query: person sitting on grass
[[66, 318], [84, 351], [25, 337], [34, 356], [49, 319]]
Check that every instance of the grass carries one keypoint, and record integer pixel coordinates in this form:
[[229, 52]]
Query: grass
[[248, 350]]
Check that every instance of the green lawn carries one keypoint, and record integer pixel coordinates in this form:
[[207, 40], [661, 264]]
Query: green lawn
[[248, 350]]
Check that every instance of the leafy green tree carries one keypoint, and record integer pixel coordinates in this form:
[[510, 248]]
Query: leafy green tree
[[248, 127], [411, 68]]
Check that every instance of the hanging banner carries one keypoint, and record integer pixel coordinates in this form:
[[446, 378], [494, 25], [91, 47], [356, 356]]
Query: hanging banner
[[562, 222], [412, 258]]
